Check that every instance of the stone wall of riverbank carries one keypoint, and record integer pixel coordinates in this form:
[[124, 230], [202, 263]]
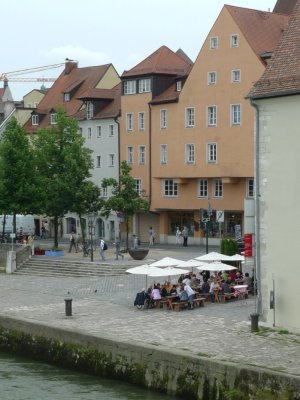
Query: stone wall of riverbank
[[175, 373]]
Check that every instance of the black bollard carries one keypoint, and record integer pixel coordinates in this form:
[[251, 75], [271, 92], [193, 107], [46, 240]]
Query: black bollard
[[68, 307], [254, 322]]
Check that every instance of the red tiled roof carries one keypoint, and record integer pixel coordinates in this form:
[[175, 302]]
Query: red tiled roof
[[261, 29], [282, 75], [284, 6], [97, 94], [162, 61], [170, 95]]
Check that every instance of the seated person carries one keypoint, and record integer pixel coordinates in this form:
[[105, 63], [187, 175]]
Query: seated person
[[225, 288], [173, 290], [155, 294], [183, 296], [205, 286], [191, 295], [168, 286], [214, 286], [247, 281], [194, 281], [164, 292], [187, 280]]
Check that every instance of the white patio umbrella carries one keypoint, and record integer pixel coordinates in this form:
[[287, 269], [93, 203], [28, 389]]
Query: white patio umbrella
[[237, 257], [166, 262], [192, 263], [143, 270], [213, 256], [216, 266], [169, 271]]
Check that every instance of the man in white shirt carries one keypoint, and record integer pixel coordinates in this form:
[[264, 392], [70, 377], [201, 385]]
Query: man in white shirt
[[191, 294]]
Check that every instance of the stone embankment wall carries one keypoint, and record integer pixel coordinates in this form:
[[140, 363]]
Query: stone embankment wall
[[175, 373]]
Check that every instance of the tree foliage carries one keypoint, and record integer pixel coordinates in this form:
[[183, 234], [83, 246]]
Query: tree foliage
[[124, 196]]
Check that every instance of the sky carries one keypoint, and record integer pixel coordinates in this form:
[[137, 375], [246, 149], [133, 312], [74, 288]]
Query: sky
[[39, 33]]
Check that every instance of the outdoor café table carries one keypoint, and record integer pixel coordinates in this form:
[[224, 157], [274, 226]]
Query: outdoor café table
[[170, 299], [240, 291]]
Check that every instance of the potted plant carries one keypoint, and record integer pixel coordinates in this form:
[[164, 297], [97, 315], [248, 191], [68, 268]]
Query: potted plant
[[38, 251]]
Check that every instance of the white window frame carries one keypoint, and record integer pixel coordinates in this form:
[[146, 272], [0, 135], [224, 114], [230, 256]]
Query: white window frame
[[145, 85], [99, 131], [129, 87], [211, 78], [236, 76], [98, 161], [53, 118], [250, 188], [67, 97], [104, 192], [142, 155], [170, 188], [35, 119], [190, 117], [203, 188], [111, 160], [138, 186], [129, 122], [236, 114], [163, 153], [211, 153], [234, 40], [89, 110], [89, 132], [141, 120], [178, 86], [217, 188], [212, 115], [130, 155], [213, 43], [163, 119], [111, 130], [190, 153]]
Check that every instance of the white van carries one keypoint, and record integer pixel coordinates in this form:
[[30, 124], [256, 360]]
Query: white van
[[24, 224]]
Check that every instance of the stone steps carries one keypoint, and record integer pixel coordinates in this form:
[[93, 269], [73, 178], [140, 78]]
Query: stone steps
[[40, 266]]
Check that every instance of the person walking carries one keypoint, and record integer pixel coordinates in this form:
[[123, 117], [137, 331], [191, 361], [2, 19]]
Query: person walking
[[118, 248], [30, 241], [102, 249], [185, 234], [178, 235], [151, 235], [72, 242]]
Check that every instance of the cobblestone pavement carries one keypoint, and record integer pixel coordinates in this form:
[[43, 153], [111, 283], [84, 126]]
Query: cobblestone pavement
[[104, 307]]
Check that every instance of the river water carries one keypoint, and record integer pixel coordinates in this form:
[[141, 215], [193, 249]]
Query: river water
[[23, 379]]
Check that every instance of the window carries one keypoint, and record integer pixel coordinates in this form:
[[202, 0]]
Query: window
[[178, 86], [129, 121], [111, 131], [212, 116], [163, 153], [190, 117], [211, 155], [35, 119], [89, 135], [236, 75], [98, 162], [144, 85], [170, 188], [141, 121], [53, 118], [89, 110], [217, 188], [190, 153], [212, 78], [67, 97], [142, 155], [111, 160], [99, 131], [236, 114], [129, 87], [130, 155], [213, 43], [80, 131], [104, 192], [234, 41], [163, 119], [250, 187], [138, 186], [203, 188]]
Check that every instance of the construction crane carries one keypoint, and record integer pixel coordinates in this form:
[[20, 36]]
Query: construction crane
[[13, 76]]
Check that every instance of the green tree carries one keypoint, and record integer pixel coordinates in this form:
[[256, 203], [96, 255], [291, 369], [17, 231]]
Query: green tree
[[19, 189], [124, 196], [64, 166]]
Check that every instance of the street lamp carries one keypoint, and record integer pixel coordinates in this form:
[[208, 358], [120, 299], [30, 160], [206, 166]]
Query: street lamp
[[206, 220], [91, 227]]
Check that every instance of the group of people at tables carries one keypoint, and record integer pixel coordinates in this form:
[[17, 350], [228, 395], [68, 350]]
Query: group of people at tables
[[206, 284]]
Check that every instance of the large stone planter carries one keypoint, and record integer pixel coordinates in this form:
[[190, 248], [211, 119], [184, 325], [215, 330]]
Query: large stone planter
[[138, 254], [39, 252]]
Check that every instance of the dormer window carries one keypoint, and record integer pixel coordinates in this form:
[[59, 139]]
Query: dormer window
[[53, 118], [178, 86], [129, 87], [35, 119], [67, 97], [144, 85], [89, 110]]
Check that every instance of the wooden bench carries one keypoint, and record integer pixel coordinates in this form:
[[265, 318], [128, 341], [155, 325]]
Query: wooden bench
[[227, 296], [206, 296], [199, 302], [179, 305]]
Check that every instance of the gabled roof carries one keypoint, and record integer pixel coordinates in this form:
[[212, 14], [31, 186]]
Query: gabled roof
[[282, 75], [284, 6], [163, 61], [92, 93], [261, 29]]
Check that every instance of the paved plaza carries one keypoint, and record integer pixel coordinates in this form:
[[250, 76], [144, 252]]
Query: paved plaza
[[103, 306]]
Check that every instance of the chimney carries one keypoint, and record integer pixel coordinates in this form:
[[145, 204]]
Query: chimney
[[70, 65], [5, 83]]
